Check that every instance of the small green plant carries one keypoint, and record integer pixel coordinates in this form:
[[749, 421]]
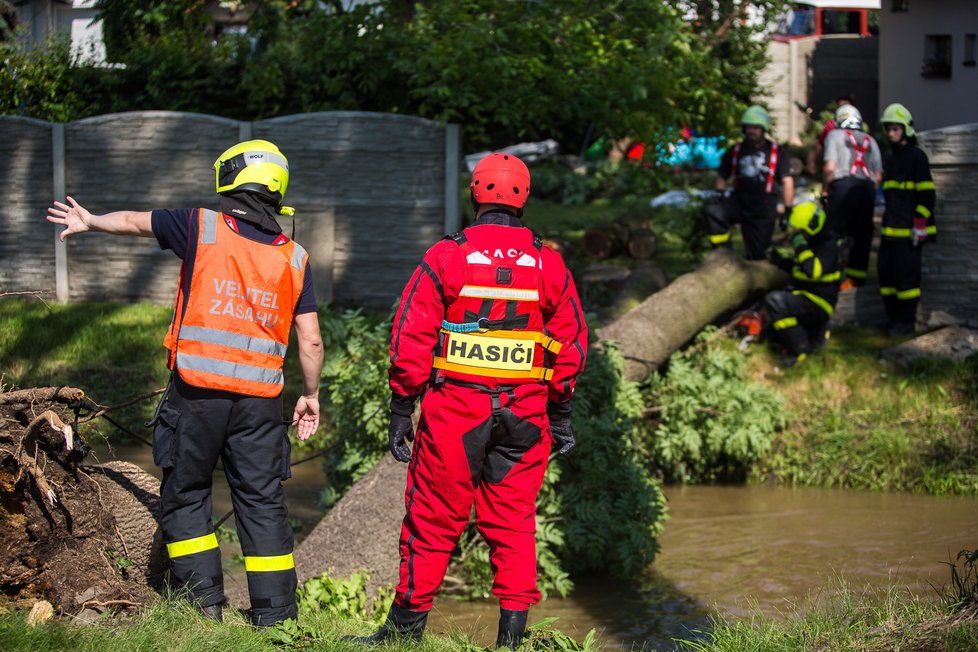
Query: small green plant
[[963, 590], [545, 638], [346, 598], [119, 562]]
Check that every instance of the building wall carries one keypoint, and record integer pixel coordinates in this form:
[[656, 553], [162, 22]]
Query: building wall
[[934, 103], [46, 17], [372, 192]]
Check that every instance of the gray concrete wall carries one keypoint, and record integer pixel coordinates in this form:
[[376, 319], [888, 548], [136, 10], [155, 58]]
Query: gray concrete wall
[[934, 103], [372, 193]]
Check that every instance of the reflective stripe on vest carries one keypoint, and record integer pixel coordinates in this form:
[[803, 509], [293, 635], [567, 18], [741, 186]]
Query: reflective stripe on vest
[[234, 333], [772, 166], [859, 152]]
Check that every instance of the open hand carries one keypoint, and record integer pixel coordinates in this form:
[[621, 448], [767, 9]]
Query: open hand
[[73, 216]]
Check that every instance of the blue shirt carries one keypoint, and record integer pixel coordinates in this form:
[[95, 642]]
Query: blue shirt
[[172, 228]]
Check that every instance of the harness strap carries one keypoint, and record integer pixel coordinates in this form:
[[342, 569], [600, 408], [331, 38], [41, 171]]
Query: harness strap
[[859, 152], [772, 167]]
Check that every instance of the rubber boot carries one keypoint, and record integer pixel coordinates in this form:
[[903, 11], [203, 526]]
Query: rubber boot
[[401, 624], [512, 628], [214, 612]]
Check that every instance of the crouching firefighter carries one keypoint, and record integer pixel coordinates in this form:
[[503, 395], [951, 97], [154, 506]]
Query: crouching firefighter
[[798, 316], [491, 336], [243, 285]]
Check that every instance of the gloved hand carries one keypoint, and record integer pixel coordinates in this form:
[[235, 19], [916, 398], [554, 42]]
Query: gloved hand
[[779, 259], [919, 231], [560, 427], [401, 429]]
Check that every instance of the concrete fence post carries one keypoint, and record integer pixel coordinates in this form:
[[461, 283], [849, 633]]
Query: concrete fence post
[[60, 247]]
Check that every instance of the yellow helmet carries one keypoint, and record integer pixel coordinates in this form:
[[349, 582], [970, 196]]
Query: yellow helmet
[[808, 217], [255, 166], [898, 114]]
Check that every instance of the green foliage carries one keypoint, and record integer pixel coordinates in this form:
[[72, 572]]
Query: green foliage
[[507, 71], [36, 82], [544, 638], [712, 423], [963, 590], [345, 598], [355, 378]]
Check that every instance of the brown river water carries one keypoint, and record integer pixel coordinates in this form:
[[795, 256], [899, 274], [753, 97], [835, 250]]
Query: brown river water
[[732, 550]]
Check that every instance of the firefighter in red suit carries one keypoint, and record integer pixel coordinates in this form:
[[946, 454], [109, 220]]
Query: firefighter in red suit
[[491, 336]]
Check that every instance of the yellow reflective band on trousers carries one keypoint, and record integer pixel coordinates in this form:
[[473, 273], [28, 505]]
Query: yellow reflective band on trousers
[[855, 273], [191, 546], [912, 293], [787, 322], [267, 564], [904, 233], [888, 291], [908, 185], [817, 300], [719, 238]]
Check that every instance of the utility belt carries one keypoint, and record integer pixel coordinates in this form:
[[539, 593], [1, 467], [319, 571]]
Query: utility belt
[[476, 350]]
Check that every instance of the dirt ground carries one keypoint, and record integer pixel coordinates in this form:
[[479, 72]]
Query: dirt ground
[[81, 537]]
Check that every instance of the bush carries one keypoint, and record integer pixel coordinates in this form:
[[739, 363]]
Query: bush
[[711, 422]]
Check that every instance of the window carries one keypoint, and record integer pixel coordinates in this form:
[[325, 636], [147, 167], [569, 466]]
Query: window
[[937, 56], [900, 5], [969, 49]]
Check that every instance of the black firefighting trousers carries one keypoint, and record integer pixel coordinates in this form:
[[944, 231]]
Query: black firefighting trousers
[[195, 428], [756, 214], [850, 211], [794, 321], [898, 266]]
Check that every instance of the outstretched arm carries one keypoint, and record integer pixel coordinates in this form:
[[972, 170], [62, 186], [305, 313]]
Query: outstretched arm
[[78, 220]]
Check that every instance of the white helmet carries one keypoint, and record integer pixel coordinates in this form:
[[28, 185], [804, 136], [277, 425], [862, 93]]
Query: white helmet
[[848, 117]]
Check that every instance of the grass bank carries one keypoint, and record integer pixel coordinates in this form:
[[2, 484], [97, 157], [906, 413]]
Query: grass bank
[[850, 620], [859, 420]]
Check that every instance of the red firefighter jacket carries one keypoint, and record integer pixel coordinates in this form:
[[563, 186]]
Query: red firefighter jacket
[[493, 306]]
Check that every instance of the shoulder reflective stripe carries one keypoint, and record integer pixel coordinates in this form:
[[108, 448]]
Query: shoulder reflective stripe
[[825, 278], [209, 233], [488, 292], [191, 546], [298, 255], [855, 273], [229, 369], [540, 373], [234, 340], [787, 322], [925, 185], [720, 237], [816, 268], [888, 291], [478, 258], [264, 156], [895, 233], [923, 210], [805, 255], [266, 564], [903, 295], [817, 300]]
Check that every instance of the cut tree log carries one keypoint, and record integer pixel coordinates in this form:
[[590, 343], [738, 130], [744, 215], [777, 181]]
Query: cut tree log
[[660, 325]]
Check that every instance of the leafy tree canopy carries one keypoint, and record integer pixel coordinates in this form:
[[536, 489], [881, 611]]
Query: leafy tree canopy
[[506, 70]]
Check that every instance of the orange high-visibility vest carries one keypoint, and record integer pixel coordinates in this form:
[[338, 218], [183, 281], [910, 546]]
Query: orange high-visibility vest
[[234, 331]]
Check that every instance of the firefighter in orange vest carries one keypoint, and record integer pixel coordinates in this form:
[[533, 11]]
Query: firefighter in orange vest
[[243, 285], [490, 335], [758, 169]]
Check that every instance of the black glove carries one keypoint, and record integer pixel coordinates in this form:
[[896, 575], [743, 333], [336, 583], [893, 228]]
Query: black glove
[[401, 428], [560, 427], [780, 260]]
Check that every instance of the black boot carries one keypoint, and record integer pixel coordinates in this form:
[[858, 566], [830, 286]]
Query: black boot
[[512, 628], [213, 612], [401, 624]]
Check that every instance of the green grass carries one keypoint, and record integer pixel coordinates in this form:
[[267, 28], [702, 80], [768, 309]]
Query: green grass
[[174, 626], [857, 420], [844, 619]]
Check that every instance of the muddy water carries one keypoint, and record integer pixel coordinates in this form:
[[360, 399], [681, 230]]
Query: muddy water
[[730, 550]]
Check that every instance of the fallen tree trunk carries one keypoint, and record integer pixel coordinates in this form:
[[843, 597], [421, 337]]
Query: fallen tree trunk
[[81, 537], [657, 327]]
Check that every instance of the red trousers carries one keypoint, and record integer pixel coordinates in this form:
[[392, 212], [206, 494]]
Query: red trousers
[[481, 447]]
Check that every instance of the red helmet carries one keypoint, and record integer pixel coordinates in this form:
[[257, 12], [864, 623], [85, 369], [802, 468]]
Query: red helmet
[[501, 179]]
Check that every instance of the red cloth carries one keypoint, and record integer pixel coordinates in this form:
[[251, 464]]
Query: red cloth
[[829, 126], [481, 440]]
